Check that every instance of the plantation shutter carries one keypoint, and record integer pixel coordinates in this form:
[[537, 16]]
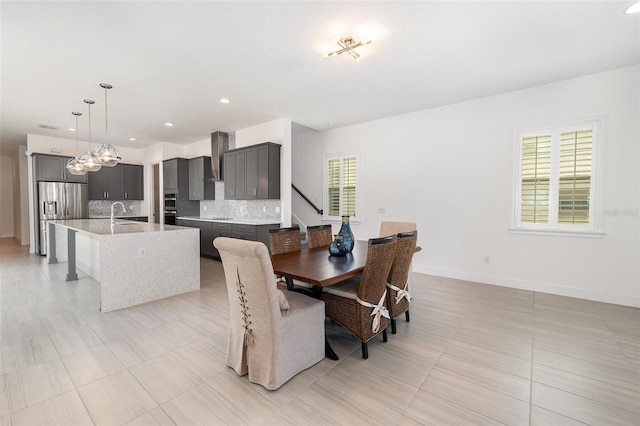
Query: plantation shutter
[[349, 187], [574, 176], [536, 170], [333, 187]]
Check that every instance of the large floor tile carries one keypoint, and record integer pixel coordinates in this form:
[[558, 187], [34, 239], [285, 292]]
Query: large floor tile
[[65, 409], [27, 353], [116, 399], [37, 383], [74, 340], [165, 377], [91, 364]]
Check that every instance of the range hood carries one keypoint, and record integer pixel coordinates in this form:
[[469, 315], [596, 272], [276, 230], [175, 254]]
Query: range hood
[[219, 145]]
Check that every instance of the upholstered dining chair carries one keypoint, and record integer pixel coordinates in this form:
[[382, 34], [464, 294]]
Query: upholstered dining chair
[[319, 235], [392, 228], [272, 336], [358, 304], [398, 296]]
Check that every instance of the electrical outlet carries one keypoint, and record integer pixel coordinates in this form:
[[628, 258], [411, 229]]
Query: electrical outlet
[[277, 209], [487, 259], [204, 208], [141, 252], [382, 210], [264, 209]]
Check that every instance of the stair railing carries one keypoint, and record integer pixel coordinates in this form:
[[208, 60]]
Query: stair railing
[[304, 197]]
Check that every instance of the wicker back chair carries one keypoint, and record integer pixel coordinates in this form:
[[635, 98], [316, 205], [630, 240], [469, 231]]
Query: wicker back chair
[[398, 297], [284, 240], [319, 235], [359, 303]]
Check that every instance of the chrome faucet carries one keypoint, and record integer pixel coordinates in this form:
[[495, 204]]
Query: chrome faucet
[[124, 210]]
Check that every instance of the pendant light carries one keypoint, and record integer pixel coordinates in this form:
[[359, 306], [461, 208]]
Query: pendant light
[[89, 159], [105, 152], [74, 165]]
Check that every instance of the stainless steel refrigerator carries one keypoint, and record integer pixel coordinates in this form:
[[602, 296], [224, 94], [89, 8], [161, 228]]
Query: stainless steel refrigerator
[[59, 200]]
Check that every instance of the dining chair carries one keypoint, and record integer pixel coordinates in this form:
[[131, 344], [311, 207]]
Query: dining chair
[[358, 304], [392, 228], [319, 235], [398, 296], [284, 240], [272, 335]]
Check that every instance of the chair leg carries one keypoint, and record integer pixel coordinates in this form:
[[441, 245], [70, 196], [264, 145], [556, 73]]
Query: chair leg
[[365, 350], [406, 315], [393, 326], [384, 335]]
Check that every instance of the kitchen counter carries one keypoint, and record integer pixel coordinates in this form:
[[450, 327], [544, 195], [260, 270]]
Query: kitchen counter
[[235, 221], [100, 227], [135, 262]]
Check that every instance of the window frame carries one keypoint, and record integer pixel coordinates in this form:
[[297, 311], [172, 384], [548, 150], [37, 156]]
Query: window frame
[[553, 227], [325, 174]]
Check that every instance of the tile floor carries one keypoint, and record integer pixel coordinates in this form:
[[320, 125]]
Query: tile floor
[[472, 354]]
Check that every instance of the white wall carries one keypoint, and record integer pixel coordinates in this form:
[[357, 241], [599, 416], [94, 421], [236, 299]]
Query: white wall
[[6, 194], [451, 170]]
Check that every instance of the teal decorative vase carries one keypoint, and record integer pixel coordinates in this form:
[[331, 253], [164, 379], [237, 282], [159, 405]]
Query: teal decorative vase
[[348, 239]]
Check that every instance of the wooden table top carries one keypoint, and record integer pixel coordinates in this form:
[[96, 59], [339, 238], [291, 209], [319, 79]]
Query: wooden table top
[[316, 267]]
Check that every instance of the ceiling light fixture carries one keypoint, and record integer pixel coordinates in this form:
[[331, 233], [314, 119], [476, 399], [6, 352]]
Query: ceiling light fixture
[[168, 124], [106, 152], [74, 165], [89, 159], [224, 101], [348, 44], [633, 9], [133, 139]]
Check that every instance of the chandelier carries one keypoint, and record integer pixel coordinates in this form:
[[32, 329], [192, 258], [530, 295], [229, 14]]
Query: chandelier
[[348, 44], [74, 165]]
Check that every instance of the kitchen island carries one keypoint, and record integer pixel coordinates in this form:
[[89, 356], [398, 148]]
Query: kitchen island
[[135, 262]]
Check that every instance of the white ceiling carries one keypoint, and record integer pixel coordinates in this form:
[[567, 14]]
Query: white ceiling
[[173, 61]]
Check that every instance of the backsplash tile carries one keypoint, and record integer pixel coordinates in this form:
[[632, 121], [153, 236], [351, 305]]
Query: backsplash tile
[[239, 209], [102, 208]]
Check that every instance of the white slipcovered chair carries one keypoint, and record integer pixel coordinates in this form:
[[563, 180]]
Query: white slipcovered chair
[[272, 336]]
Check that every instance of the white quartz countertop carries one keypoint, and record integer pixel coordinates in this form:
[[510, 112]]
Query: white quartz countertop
[[234, 221], [103, 227]]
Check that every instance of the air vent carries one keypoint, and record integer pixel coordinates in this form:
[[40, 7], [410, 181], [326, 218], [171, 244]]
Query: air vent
[[47, 126]]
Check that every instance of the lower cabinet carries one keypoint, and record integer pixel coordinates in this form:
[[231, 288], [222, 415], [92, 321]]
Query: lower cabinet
[[212, 230]]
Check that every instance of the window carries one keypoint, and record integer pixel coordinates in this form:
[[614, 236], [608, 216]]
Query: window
[[341, 191], [555, 186]]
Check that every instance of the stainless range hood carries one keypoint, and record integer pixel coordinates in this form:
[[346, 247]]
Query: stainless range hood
[[219, 145]]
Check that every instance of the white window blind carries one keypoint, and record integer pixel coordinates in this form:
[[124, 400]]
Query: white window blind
[[341, 186], [555, 187]]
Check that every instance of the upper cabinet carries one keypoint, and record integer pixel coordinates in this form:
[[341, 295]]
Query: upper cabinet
[[122, 182], [200, 186], [252, 172], [54, 168], [170, 174]]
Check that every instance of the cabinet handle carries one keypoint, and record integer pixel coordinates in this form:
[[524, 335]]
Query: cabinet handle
[[126, 195]]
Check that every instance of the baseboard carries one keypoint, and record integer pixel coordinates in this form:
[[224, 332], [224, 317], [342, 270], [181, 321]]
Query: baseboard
[[597, 296]]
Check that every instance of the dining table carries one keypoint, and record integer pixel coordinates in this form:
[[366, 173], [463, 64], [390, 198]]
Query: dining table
[[316, 267]]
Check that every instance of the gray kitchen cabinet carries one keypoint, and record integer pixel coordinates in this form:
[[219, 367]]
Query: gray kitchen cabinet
[[210, 230], [170, 174], [107, 183], [53, 168], [133, 182], [263, 171], [235, 175], [200, 186], [252, 172]]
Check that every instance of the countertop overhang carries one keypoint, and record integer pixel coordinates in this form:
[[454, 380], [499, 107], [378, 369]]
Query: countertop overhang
[[103, 227]]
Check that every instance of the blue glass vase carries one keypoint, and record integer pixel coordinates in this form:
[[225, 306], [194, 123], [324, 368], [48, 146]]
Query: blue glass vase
[[337, 247], [347, 236]]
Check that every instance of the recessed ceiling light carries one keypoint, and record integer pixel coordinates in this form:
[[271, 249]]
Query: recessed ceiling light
[[224, 101], [633, 9], [133, 139], [168, 124], [71, 129]]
